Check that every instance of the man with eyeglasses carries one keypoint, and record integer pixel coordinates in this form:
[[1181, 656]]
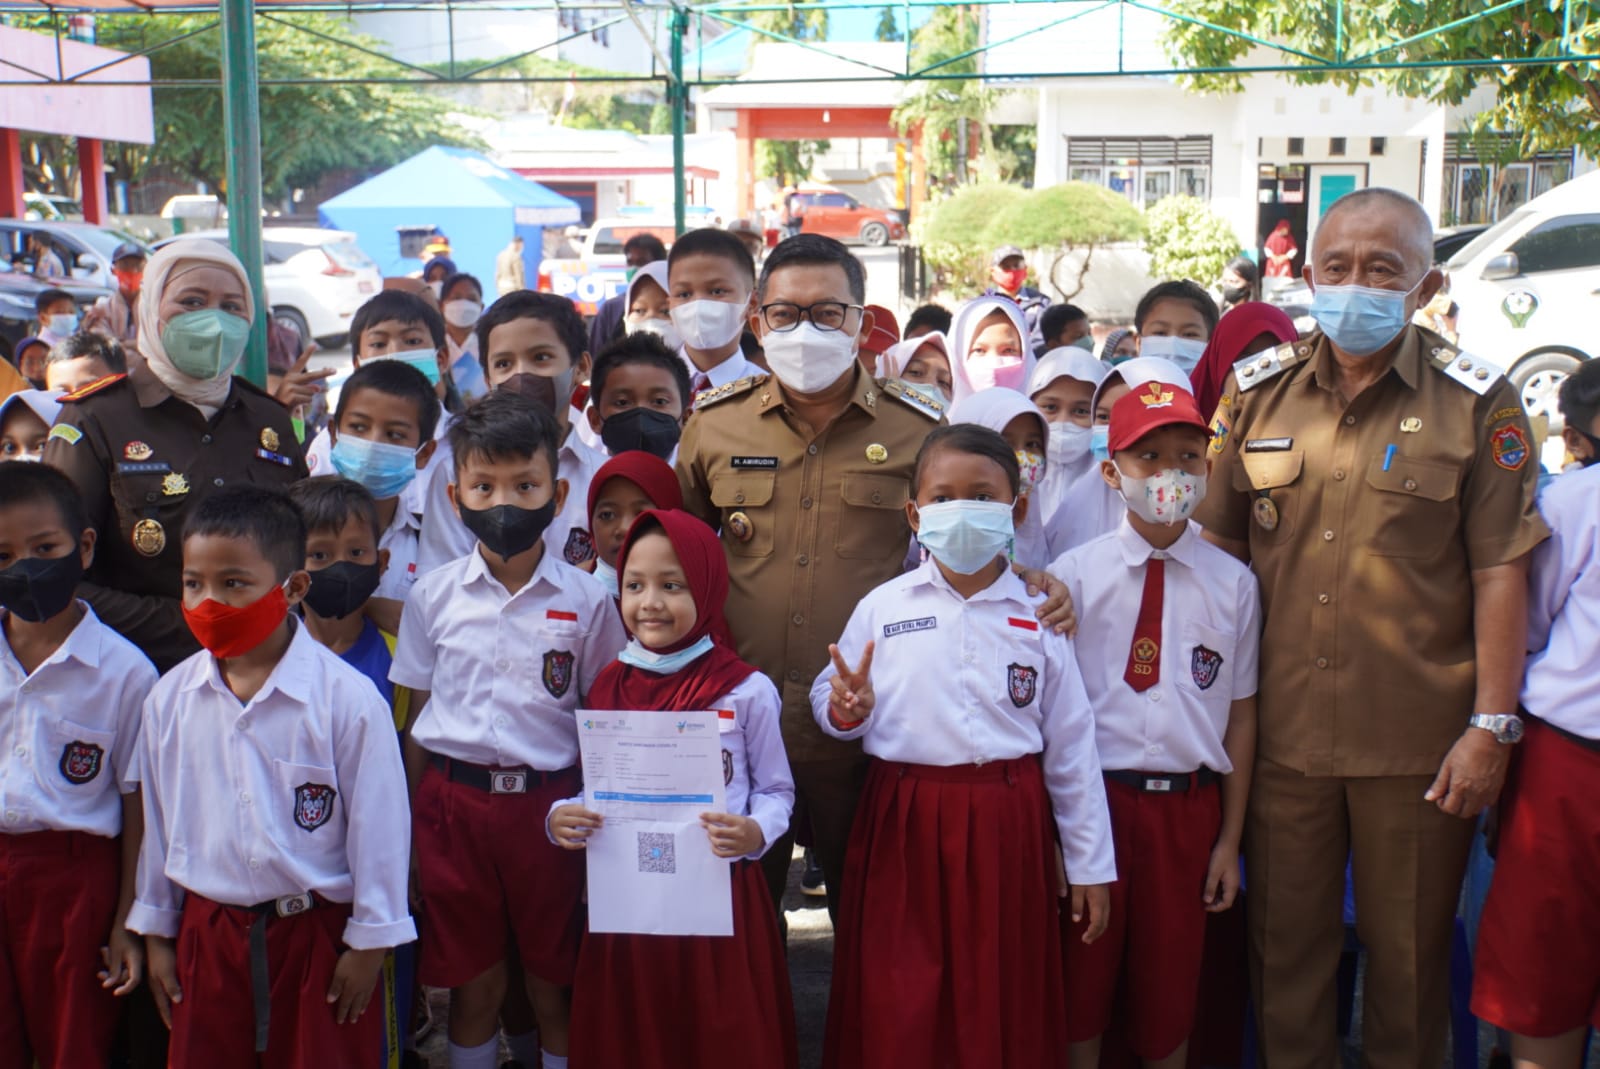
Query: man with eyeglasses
[[806, 473]]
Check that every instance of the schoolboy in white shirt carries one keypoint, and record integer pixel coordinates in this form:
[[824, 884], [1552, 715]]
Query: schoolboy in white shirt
[[711, 283], [272, 880], [498, 646], [1167, 645], [71, 690]]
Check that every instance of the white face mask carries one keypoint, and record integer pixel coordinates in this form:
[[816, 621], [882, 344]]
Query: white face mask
[[463, 313], [708, 324], [1185, 352], [808, 360], [663, 328], [1167, 497], [1069, 443], [437, 288]]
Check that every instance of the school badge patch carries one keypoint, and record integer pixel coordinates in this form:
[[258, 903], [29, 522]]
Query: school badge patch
[[579, 547], [80, 761], [1204, 664], [1509, 447], [313, 805], [558, 672], [727, 768], [1021, 684]]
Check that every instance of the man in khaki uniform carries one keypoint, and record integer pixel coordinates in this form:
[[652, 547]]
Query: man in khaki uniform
[[807, 481], [1381, 485]]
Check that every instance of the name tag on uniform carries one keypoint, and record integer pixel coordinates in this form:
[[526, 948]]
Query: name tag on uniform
[[1268, 445], [148, 467], [508, 782], [758, 463], [926, 623], [276, 458]]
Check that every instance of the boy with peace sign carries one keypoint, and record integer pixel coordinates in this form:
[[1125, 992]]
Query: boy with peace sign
[[979, 729]]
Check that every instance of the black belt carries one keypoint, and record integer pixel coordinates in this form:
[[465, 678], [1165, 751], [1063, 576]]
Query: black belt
[[260, 979], [1164, 782], [517, 779]]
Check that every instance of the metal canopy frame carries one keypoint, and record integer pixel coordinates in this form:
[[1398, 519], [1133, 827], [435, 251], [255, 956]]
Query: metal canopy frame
[[241, 80]]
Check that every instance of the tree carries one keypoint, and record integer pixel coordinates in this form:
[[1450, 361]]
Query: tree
[[801, 20], [943, 109], [888, 26], [1067, 219], [1186, 239], [954, 232], [1552, 107]]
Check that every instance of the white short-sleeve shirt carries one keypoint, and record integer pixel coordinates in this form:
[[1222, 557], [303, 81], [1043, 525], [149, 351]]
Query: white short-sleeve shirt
[[1564, 607]]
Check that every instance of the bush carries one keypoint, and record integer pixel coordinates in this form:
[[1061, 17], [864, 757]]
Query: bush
[[1064, 218], [955, 233], [1186, 239]]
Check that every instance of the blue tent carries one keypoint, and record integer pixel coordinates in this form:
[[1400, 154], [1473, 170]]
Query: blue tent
[[472, 200]]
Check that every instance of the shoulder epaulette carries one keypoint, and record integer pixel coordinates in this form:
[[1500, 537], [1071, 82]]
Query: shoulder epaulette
[[718, 394], [1477, 375], [912, 398], [92, 388], [1253, 370]]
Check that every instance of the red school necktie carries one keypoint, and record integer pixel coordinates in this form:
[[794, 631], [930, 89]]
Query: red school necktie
[[1144, 657]]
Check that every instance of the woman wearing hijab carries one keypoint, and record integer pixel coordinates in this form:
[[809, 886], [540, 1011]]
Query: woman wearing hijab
[[1281, 250], [923, 362], [1120, 346], [661, 1001], [145, 446], [989, 347], [1251, 328]]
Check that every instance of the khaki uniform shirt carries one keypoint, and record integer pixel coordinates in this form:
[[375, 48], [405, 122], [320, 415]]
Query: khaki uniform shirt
[[141, 457], [810, 523], [1365, 521]]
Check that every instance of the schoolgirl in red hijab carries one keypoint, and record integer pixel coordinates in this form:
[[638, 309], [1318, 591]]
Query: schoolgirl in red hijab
[[667, 1001]]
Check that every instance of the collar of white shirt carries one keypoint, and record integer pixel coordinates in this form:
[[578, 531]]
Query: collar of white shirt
[[1009, 587], [478, 572], [1135, 550], [83, 643], [291, 676]]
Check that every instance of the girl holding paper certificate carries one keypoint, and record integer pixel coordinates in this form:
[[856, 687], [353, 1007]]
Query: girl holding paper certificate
[[690, 1000]]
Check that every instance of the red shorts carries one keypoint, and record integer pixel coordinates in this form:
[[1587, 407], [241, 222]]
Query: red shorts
[[490, 878], [215, 1024], [1150, 955], [58, 897], [1538, 964]]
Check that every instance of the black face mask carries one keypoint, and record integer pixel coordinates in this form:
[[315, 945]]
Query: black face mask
[[508, 529], [641, 429], [37, 588], [341, 588], [1236, 294]]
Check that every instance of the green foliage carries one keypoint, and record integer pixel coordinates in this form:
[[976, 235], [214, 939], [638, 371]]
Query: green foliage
[[1063, 219], [586, 105], [801, 20], [888, 26], [1553, 107], [788, 162], [943, 108], [1016, 148], [1186, 239], [953, 232]]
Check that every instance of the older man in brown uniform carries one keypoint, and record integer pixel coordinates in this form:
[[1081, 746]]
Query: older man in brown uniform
[[806, 473], [1381, 484]]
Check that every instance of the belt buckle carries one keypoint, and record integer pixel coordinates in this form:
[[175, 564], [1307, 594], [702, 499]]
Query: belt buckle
[[507, 782], [1153, 784], [293, 905]]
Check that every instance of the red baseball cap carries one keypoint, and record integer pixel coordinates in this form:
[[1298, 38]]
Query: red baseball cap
[[885, 330], [1155, 404]]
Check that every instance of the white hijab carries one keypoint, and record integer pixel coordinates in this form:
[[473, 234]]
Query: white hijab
[[168, 263], [1138, 371], [965, 328], [995, 408], [1066, 361], [655, 271], [893, 360]]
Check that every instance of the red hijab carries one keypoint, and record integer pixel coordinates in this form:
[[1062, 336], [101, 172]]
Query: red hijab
[[1238, 327], [1281, 240], [712, 674], [646, 471]]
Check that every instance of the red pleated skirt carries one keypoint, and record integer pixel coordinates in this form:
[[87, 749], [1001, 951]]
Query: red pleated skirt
[[946, 953], [669, 1001]]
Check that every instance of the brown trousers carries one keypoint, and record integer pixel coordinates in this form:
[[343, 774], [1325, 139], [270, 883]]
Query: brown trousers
[[1407, 861], [830, 790]]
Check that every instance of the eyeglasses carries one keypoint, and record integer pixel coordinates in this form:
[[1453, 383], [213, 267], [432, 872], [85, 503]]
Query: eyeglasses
[[782, 316]]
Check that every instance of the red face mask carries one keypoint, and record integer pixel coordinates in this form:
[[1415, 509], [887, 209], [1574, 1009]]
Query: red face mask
[[1011, 281], [129, 280], [232, 631]]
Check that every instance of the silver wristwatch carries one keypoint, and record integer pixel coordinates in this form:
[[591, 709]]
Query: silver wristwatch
[[1505, 727]]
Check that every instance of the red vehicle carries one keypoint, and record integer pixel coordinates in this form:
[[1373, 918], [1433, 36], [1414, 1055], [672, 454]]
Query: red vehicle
[[839, 215]]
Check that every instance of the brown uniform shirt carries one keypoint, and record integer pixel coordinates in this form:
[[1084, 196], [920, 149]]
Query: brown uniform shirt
[[141, 457], [810, 524], [1365, 521]]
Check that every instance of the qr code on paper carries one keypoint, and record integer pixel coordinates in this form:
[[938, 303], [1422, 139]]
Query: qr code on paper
[[656, 853]]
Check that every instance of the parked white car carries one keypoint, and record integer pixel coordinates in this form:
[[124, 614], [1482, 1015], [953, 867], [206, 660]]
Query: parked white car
[[1528, 289], [316, 279]]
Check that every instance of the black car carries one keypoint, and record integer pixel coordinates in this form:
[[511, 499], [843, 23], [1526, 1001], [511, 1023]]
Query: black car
[[17, 293]]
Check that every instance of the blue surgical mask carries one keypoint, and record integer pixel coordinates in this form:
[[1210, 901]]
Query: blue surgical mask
[[931, 392], [1100, 441], [607, 576], [205, 344], [965, 536], [424, 360], [383, 469], [663, 664], [1360, 320], [62, 326], [1185, 352]]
